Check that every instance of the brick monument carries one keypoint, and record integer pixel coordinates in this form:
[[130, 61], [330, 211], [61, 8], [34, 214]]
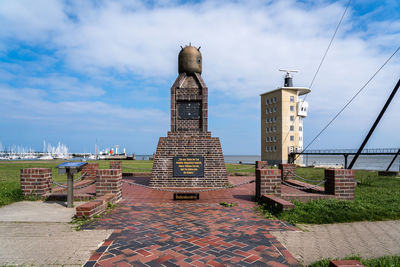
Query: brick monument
[[189, 156]]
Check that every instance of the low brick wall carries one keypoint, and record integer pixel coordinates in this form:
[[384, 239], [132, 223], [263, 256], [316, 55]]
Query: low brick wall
[[91, 170], [96, 206], [268, 181], [288, 171], [116, 165], [340, 183], [345, 263], [109, 181], [35, 181]]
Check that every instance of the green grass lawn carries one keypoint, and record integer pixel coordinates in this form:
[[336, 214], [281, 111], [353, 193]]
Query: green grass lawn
[[10, 174], [386, 261], [239, 168], [376, 198]]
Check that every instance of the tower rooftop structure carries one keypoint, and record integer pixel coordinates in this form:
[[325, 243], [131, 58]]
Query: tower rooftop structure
[[300, 90]]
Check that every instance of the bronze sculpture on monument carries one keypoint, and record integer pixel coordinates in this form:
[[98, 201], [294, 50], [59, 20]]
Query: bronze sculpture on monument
[[189, 156]]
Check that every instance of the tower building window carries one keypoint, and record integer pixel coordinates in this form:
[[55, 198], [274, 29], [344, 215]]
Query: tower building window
[[291, 138], [291, 128], [291, 118], [291, 108], [291, 98]]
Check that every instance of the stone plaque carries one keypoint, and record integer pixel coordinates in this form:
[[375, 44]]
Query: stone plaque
[[189, 166], [189, 110]]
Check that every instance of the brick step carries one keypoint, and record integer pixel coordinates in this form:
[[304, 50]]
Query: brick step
[[63, 196], [96, 206], [274, 201], [305, 197], [80, 194], [84, 182], [345, 263], [317, 189]]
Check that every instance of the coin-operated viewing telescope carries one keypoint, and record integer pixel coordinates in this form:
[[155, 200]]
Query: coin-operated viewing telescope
[[189, 60]]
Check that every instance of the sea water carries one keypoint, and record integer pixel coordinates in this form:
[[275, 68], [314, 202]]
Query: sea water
[[362, 163]]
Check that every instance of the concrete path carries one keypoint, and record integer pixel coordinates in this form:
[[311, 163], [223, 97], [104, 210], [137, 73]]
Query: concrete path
[[368, 239], [37, 211], [38, 233]]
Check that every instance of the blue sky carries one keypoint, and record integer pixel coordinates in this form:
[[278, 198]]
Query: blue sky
[[80, 71]]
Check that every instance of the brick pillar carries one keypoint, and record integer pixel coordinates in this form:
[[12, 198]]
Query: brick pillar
[[340, 183], [109, 181], [91, 170], [268, 181], [288, 171], [116, 164], [261, 165], [35, 181]]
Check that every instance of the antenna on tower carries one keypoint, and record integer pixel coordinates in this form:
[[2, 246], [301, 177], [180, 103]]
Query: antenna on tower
[[288, 77]]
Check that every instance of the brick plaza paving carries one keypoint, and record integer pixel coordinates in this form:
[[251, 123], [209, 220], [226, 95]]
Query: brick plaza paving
[[150, 229]]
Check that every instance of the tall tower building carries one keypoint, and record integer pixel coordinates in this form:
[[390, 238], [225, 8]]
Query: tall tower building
[[282, 114]]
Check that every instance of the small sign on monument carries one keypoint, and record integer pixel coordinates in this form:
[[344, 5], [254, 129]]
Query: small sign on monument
[[186, 196], [189, 166]]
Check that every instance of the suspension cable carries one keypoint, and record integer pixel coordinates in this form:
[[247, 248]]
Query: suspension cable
[[351, 100], [321, 62]]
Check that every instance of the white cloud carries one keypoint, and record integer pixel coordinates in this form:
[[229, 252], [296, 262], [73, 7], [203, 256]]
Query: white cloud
[[66, 86], [243, 44], [30, 105], [33, 21]]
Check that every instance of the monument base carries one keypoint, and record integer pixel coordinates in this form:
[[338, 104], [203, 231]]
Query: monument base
[[208, 167]]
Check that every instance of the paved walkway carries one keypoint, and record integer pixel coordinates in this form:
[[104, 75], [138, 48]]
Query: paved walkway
[[150, 229], [38, 233], [369, 239], [37, 211], [47, 244]]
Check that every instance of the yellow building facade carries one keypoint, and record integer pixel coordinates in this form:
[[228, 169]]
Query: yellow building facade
[[282, 114]]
